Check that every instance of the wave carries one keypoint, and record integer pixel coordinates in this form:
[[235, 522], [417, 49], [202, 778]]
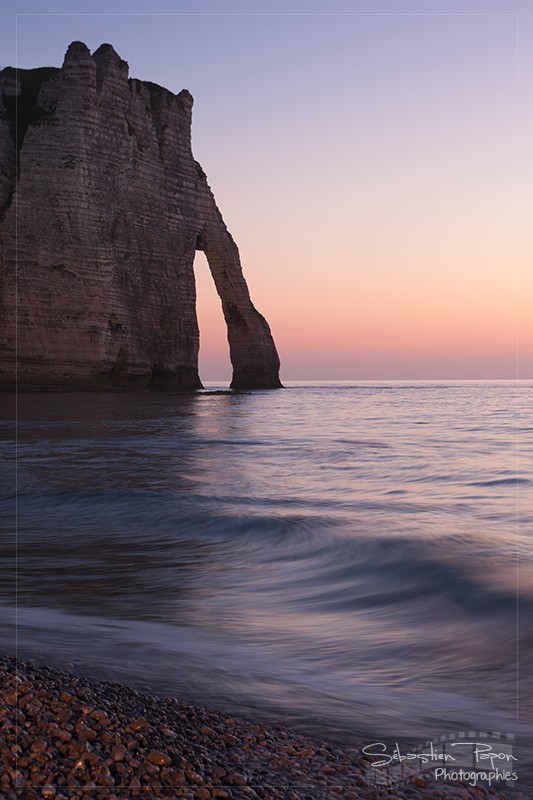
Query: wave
[[515, 481]]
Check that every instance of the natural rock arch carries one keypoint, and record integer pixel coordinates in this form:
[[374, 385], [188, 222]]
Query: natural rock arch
[[99, 182]]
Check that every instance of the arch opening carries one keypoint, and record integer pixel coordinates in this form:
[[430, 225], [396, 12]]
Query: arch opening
[[214, 365]]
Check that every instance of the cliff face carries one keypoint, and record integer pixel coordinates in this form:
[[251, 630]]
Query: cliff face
[[102, 207]]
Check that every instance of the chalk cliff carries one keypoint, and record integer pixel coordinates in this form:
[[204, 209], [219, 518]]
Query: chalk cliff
[[102, 207]]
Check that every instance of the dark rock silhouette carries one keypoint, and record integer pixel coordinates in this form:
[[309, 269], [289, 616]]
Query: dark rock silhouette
[[102, 207]]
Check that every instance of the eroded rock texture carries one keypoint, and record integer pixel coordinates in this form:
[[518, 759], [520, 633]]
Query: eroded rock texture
[[100, 217]]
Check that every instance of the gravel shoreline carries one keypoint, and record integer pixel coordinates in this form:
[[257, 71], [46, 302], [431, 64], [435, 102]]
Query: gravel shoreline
[[65, 736]]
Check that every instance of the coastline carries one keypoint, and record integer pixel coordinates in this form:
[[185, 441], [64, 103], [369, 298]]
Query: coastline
[[66, 736]]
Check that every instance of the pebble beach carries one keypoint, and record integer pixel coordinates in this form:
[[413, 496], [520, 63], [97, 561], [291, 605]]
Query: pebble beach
[[65, 736]]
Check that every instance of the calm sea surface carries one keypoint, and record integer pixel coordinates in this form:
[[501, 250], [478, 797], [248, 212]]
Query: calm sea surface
[[352, 558]]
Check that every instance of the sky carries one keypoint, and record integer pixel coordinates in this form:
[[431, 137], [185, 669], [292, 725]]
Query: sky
[[371, 158]]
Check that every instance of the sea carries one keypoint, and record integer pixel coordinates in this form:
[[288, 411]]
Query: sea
[[352, 559]]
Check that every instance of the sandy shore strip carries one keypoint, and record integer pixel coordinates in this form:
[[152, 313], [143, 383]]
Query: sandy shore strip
[[64, 736]]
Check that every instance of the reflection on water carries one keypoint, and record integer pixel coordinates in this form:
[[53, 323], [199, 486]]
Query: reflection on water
[[345, 554]]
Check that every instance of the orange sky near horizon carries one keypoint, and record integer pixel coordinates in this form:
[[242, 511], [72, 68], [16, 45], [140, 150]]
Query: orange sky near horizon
[[398, 285]]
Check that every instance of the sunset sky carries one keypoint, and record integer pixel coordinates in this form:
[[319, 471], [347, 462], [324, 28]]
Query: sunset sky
[[372, 159]]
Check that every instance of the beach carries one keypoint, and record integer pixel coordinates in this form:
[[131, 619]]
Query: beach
[[66, 736]]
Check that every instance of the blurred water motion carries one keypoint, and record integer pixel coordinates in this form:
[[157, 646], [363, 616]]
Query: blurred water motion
[[340, 556]]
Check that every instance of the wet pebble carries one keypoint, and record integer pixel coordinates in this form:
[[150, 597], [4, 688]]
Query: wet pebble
[[118, 753], [158, 758]]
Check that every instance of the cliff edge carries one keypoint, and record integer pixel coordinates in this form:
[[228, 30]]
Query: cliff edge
[[102, 207]]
